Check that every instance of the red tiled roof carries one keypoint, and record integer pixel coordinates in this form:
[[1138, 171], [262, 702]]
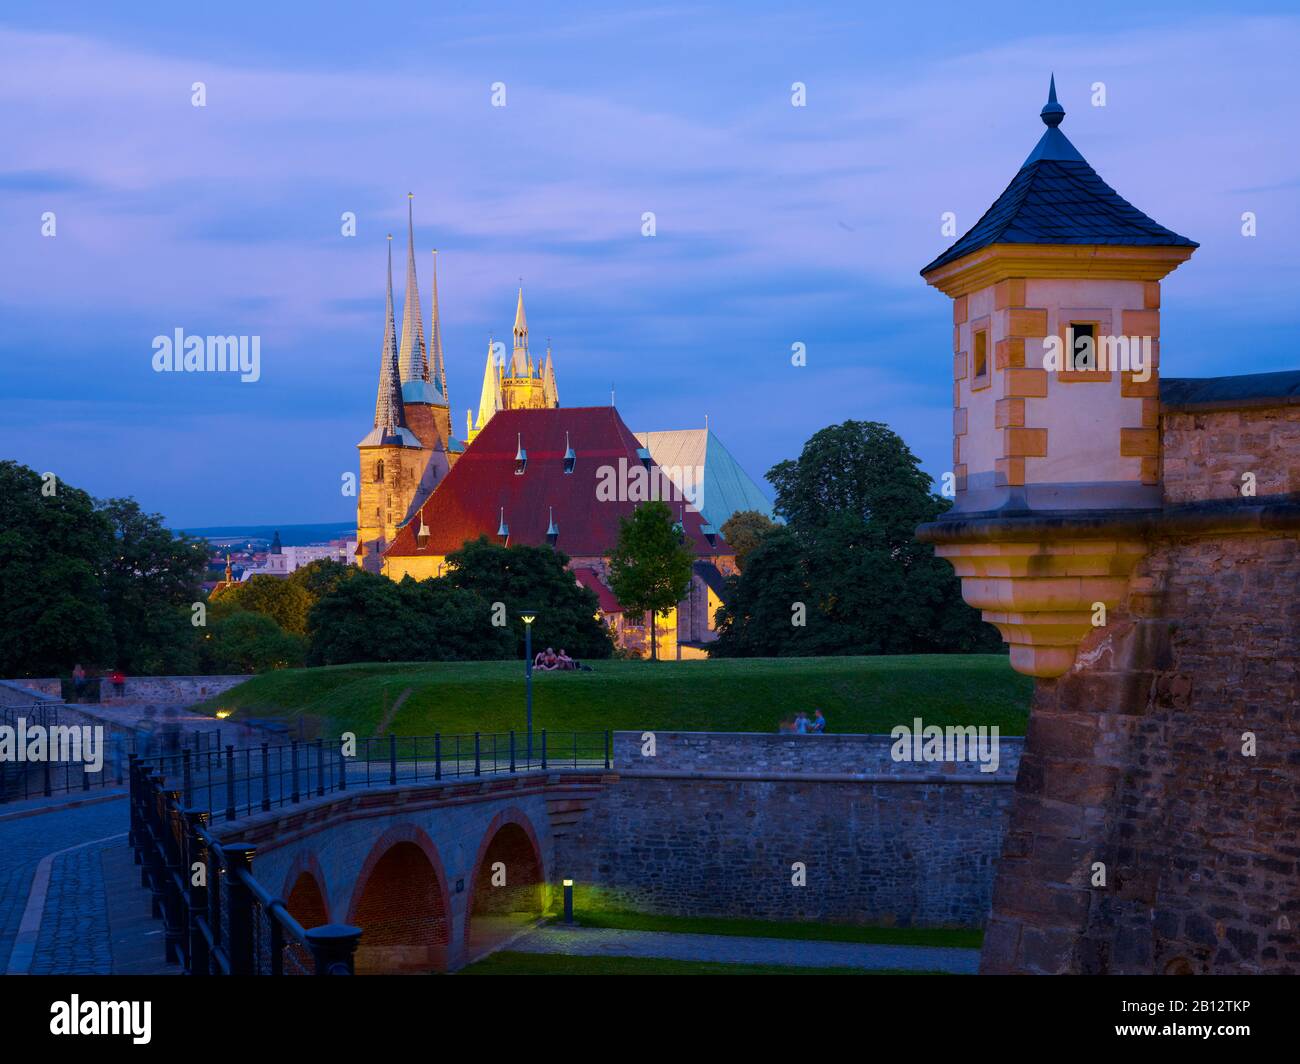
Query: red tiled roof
[[469, 500], [587, 578]]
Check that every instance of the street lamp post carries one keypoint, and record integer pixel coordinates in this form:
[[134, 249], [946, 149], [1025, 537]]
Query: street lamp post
[[528, 617]]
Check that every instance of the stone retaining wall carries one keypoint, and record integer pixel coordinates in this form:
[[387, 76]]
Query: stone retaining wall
[[714, 824]]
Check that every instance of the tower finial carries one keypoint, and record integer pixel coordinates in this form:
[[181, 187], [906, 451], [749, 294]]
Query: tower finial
[[1052, 113]]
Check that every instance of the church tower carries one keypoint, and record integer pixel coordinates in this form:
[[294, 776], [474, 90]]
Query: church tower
[[1056, 353], [424, 385], [517, 383], [394, 462]]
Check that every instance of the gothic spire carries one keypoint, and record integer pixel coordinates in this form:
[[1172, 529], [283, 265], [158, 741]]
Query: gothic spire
[[490, 399], [390, 414], [437, 367], [519, 357], [549, 390], [412, 356]]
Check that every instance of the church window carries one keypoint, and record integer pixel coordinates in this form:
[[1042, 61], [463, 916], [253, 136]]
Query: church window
[[981, 358], [379, 471]]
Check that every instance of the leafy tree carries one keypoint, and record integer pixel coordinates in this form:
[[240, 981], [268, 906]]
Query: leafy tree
[[650, 567], [744, 530], [371, 618], [150, 573], [847, 576], [245, 641], [321, 577], [535, 578], [286, 602], [53, 548]]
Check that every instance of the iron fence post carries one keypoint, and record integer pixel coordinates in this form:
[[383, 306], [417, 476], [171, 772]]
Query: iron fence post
[[343, 769], [196, 821], [320, 769], [293, 768], [187, 777], [437, 755], [477, 755], [392, 760], [333, 947], [607, 749], [543, 749], [512, 749], [230, 783], [266, 777], [239, 908]]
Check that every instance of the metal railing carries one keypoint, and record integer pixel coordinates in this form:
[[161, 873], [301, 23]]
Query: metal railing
[[217, 918], [48, 774]]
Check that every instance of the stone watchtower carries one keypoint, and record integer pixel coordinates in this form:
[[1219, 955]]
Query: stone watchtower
[[1136, 539], [1056, 325]]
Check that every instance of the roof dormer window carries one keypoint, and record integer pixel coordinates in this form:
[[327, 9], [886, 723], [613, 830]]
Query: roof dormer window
[[521, 457], [552, 529], [503, 529], [570, 456]]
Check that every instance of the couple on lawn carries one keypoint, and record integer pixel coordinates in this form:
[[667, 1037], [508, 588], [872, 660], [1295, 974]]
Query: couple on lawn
[[549, 660]]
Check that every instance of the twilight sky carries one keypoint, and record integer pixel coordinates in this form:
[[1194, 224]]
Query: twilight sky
[[775, 224]]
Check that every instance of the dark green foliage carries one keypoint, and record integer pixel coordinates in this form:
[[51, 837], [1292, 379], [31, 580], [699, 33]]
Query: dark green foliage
[[533, 578], [370, 618], [53, 549], [744, 530], [151, 574], [281, 598], [245, 641], [848, 564]]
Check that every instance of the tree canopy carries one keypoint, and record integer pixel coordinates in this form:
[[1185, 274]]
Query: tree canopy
[[650, 567], [847, 575]]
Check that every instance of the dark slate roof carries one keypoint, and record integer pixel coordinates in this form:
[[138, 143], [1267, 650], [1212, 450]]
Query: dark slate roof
[[712, 576], [1250, 389], [1057, 198]]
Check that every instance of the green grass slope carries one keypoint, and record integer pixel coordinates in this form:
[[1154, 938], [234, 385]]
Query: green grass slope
[[857, 694]]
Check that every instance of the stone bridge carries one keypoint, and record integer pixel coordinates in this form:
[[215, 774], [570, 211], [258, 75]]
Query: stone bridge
[[437, 874]]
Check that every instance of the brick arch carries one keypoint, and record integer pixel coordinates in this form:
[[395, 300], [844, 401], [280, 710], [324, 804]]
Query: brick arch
[[401, 902], [306, 863], [522, 831]]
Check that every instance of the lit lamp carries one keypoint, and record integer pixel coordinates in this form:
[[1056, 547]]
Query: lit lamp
[[528, 616], [568, 901]]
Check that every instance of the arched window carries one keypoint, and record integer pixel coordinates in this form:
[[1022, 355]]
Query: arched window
[[379, 471]]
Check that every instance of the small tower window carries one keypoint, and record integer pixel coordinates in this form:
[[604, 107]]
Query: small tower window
[[521, 457], [570, 456], [552, 529], [981, 359], [1083, 346], [379, 471]]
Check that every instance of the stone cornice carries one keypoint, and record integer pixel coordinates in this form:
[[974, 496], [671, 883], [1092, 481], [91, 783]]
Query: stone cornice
[[998, 262], [1267, 514]]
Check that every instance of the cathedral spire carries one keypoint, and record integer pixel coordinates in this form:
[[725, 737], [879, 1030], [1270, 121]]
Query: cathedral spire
[[390, 414], [437, 367], [519, 357], [550, 392], [490, 399], [412, 356]]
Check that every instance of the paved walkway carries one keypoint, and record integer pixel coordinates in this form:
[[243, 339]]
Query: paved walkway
[[70, 901], [734, 949]]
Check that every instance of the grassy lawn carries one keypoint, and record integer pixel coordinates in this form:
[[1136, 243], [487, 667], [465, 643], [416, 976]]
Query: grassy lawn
[[857, 694], [957, 937], [506, 963]]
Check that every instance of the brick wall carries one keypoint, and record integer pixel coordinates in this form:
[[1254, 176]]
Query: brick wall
[[1206, 453], [713, 823], [27, 692], [1138, 760]]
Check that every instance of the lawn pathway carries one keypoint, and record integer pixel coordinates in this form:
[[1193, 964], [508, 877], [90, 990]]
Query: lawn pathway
[[734, 949]]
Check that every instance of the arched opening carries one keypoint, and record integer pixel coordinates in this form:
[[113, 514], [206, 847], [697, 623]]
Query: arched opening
[[404, 924], [508, 889], [306, 904]]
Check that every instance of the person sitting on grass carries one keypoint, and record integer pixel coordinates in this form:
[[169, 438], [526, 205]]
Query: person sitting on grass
[[564, 661], [549, 661]]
